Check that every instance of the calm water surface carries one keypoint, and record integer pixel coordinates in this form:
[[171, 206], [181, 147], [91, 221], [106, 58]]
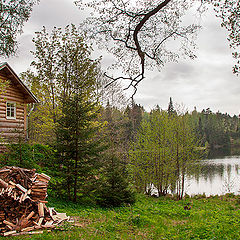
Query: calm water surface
[[215, 176]]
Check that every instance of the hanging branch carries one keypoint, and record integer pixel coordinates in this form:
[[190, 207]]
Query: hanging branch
[[138, 33]]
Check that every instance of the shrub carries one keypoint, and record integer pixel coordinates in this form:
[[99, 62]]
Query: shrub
[[29, 156], [113, 189]]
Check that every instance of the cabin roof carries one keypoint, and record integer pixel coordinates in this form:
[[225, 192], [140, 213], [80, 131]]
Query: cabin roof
[[8, 71]]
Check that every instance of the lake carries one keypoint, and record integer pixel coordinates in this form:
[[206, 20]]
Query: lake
[[215, 176]]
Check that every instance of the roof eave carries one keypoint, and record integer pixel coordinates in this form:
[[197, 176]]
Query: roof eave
[[30, 94]]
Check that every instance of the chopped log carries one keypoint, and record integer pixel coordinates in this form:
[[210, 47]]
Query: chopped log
[[3, 184], [21, 188], [40, 221], [30, 215], [40, 209], [24, 233], [27, 229], [9, 223], [23, 195], [9, 233], [42, 175], [12, 183]]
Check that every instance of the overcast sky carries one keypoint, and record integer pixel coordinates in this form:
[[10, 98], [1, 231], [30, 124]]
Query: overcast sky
[[205, 82]]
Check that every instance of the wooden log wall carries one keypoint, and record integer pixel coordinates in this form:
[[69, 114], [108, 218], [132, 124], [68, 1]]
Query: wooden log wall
[[10, 128]]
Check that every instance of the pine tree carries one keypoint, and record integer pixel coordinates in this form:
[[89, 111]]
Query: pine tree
[[76, 143], [113, 189], [135, 115], [170, 107]]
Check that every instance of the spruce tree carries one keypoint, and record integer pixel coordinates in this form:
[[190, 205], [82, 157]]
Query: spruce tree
[[113, 189], [76, 143], [170, 107]]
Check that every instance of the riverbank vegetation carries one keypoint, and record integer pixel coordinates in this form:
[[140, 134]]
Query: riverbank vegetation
[[164, 149]]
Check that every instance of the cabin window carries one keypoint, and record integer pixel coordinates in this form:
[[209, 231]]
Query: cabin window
[[11, 110]]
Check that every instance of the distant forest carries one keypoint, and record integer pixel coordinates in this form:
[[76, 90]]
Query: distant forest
[[214, 130]]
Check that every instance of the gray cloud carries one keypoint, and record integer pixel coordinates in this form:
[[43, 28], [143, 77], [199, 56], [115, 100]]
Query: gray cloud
[[56, 13]]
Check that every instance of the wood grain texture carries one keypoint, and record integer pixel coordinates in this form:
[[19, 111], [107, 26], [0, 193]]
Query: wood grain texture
[[8, 127]]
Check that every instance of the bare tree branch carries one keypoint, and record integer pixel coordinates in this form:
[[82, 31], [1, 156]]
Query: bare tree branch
[[137, 33]]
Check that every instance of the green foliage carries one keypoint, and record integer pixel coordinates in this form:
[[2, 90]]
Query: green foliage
[[13, 14], [163, 152], [29, 156], [229, 12], [135, 115], [60, 57], [3, 86], [77, 126], [115, 133], [77, 145], [113, 189], [215, 129]]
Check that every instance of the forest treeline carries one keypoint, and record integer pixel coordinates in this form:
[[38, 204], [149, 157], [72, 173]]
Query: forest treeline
[[217, 130], [94, 143]]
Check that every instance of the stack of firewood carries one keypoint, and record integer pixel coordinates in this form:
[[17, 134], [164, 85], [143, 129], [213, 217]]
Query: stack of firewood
[[23, 195]]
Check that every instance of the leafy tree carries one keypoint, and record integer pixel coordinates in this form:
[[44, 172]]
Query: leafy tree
[[139, 33], [150, 159], [110, 94], [186, 150], [229, 12], [40, 117], [163, 152], [116, 129], [45, 84], [14, 13], [47, 55], [134, 112], [214, 129], [54, 56]]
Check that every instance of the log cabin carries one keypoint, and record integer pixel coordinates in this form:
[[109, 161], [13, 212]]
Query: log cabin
[[13, 104]]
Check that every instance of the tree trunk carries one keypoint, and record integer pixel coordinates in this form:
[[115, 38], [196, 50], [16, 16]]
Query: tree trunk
[[182, 190], [53, 103], [76, 157], [75, 183], [68, 183]]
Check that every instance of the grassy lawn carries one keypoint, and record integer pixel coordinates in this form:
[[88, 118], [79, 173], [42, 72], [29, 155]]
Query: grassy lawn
[[151, 218]]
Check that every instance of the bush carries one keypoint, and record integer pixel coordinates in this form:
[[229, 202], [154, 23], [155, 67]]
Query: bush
[[29, 156], [113, 189]]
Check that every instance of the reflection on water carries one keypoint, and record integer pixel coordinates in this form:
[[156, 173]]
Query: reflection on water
[[215, 176], [219, 153]]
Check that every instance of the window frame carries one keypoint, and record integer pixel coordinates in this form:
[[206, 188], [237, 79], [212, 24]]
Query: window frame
[[9, 117]]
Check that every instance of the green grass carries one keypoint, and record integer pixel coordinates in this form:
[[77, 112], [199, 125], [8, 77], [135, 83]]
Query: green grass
[[152, 218]]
